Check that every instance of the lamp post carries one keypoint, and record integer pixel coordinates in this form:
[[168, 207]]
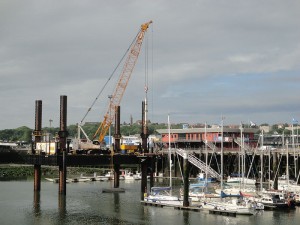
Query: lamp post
[[50, 122]]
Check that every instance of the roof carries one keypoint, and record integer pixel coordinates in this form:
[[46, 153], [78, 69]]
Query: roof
[[208, 130]]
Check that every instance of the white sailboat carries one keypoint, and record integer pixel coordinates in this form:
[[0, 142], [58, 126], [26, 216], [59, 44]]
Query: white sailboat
[[284, 182], [163, 195], [240, 178], [229, 203]]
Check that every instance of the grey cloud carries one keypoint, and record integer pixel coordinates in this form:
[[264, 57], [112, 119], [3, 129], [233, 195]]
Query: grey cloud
[[208, 57]]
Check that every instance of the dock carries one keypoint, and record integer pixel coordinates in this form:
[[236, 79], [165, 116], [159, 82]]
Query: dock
[[178, 207], [113, 190]]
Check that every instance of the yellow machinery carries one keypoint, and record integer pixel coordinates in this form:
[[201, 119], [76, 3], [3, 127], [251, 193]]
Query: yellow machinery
[[122, 83], [129, 148]]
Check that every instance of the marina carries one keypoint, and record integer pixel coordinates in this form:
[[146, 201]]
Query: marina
[[85, 203], [203, 173]]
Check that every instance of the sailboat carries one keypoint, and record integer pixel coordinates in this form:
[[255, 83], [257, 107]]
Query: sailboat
[[239, 178], [199, 190], [163, 195], [235, 203]]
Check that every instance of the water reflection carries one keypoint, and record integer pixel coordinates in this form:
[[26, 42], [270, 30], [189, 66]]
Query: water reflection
[[36, 208], [37, 203], [116, 202], [85, 204], [62, 211], [186, 219]]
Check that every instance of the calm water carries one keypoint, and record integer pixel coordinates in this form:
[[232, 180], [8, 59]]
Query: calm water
[[86, 204]]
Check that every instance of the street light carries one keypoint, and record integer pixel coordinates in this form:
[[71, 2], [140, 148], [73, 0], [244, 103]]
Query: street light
[[50, 121]]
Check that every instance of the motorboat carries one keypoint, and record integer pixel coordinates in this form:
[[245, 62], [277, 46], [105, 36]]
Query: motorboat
[[128, 175], [276, 200], [235, 205]]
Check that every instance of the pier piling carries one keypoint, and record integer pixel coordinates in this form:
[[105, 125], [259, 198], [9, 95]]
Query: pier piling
[[37, 177], [116, 175], [144, 178], [152, 172], [63, 175], [185, 180], [37, 138], [117, 135], [63, 134]]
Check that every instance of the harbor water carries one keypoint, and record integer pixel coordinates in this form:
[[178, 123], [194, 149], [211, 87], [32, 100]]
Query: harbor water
[[86, 204]]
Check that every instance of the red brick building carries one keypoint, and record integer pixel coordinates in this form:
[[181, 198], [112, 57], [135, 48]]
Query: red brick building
[[195, 137]]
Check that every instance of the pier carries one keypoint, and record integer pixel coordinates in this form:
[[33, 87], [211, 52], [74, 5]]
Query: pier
[[186, 162], [64, 159]]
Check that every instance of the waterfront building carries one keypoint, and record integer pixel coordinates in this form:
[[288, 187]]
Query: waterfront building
[[195, 137]]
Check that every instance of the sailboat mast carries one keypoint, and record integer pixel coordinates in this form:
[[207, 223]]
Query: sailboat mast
[[261, 162], [222, 172], [269, 155], [240, 161], [170, 160], [206, 157], [241, 157], [287, 163], [294, 150]]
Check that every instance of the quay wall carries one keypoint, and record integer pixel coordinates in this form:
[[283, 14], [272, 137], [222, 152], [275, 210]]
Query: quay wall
[[231, 162]]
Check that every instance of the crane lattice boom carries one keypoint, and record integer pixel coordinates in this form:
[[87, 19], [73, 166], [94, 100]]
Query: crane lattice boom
[[122, 83]]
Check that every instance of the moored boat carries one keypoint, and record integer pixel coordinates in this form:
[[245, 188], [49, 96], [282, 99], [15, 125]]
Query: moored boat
[[276, 201], [162, 195]]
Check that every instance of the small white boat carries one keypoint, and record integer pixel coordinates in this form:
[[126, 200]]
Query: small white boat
[[54, 180], [128, 175], [137, 176], [235, 205], [85, 179], [110, 175], [238, 180], [101, 178], [276, 200], [162, 195], [81, 179]]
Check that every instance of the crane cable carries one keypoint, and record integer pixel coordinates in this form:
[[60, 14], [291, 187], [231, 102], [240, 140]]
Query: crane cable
[[152, 97], [146, 66], [89, 109], [147, 61]]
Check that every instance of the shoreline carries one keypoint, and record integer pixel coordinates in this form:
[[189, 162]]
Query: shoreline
[[12, 171]]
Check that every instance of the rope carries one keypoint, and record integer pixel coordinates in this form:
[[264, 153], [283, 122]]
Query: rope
[[109, 78], [277, 168]]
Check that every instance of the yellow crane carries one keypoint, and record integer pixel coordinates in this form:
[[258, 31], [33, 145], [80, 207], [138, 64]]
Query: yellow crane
[[116, 97]]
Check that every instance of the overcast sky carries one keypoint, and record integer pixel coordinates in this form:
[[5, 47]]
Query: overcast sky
[[206, 58]]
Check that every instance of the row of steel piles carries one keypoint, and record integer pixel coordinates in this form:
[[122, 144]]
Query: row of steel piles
[[61, 148]]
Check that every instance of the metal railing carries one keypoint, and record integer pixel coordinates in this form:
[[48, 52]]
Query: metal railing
[[211, 145], [245, 146], [198, 163]]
